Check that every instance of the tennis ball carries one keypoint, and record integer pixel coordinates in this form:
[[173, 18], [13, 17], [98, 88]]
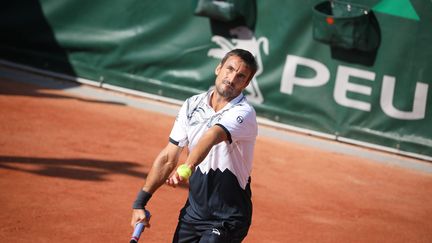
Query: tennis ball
[[184, 171]]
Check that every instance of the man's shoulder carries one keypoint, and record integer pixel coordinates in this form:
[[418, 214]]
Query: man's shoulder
[[245, 106]]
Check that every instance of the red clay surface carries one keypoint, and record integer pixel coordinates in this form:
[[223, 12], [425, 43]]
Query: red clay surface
[[71, 166]]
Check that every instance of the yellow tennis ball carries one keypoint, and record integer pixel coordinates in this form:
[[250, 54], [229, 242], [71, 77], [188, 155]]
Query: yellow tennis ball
[[184, 171]]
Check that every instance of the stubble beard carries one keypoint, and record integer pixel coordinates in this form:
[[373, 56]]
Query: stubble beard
[[227, 93]]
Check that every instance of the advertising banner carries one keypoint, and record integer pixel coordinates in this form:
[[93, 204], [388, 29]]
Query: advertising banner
[[360, 71]]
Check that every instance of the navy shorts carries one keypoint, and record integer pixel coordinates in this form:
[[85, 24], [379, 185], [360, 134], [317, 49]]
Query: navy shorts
[[200, 233]]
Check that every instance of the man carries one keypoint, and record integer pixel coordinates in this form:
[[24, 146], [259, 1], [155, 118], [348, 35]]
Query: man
[[219, 128]]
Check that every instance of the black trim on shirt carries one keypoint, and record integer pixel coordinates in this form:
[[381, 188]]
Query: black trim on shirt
[[173, 141], [226, 131]]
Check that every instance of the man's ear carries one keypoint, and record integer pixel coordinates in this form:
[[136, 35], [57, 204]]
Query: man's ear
[[250, 79], [218, 68], [247, 83]]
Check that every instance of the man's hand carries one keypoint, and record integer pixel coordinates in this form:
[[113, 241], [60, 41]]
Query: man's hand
[[182, 173], [138, 215], [174, 180]]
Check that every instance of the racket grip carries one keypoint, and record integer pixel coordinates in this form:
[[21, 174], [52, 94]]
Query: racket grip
[[139, 228]]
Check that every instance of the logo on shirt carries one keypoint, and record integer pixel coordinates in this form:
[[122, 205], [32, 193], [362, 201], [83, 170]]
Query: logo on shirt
[[215, 231], [240, 119]]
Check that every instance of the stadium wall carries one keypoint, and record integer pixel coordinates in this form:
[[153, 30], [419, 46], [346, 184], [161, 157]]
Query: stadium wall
[[357, 72]]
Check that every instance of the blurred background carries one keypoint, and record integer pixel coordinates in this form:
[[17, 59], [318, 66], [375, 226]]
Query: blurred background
[[353, 71]]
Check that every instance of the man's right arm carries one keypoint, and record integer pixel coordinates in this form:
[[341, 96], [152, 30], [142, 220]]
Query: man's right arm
[[162, 167]]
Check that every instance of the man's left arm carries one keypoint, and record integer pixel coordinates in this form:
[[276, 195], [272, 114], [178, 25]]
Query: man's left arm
[[211, 137]]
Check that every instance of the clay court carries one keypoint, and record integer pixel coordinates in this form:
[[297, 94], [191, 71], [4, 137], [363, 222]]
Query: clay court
[[71, 165]]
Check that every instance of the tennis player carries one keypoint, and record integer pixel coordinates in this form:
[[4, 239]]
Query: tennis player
[[219, 129]]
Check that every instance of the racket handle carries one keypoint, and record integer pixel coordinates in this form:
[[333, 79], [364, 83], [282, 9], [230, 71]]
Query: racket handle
[[139, 228]]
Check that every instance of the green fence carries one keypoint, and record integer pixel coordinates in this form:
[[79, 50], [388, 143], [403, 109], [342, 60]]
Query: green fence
[[359, 71]]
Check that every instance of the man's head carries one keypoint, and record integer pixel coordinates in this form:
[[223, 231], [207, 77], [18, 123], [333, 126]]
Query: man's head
[[246, 56], [234, 73]]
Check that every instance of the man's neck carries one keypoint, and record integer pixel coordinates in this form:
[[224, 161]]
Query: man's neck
[[218, 102]]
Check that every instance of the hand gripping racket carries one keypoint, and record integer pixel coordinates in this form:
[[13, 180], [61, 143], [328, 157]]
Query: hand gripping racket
[[139, 228]]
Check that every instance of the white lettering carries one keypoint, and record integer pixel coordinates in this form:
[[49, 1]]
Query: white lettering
[[419, 105], [342, 86], [289, 78]]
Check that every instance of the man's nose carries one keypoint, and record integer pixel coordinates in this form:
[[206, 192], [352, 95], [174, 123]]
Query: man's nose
[[231, 77]]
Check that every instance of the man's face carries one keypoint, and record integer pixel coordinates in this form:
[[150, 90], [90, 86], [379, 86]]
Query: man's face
[[232, 78]]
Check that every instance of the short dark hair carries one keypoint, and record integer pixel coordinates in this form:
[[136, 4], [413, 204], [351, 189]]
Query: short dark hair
[[246, 56]]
